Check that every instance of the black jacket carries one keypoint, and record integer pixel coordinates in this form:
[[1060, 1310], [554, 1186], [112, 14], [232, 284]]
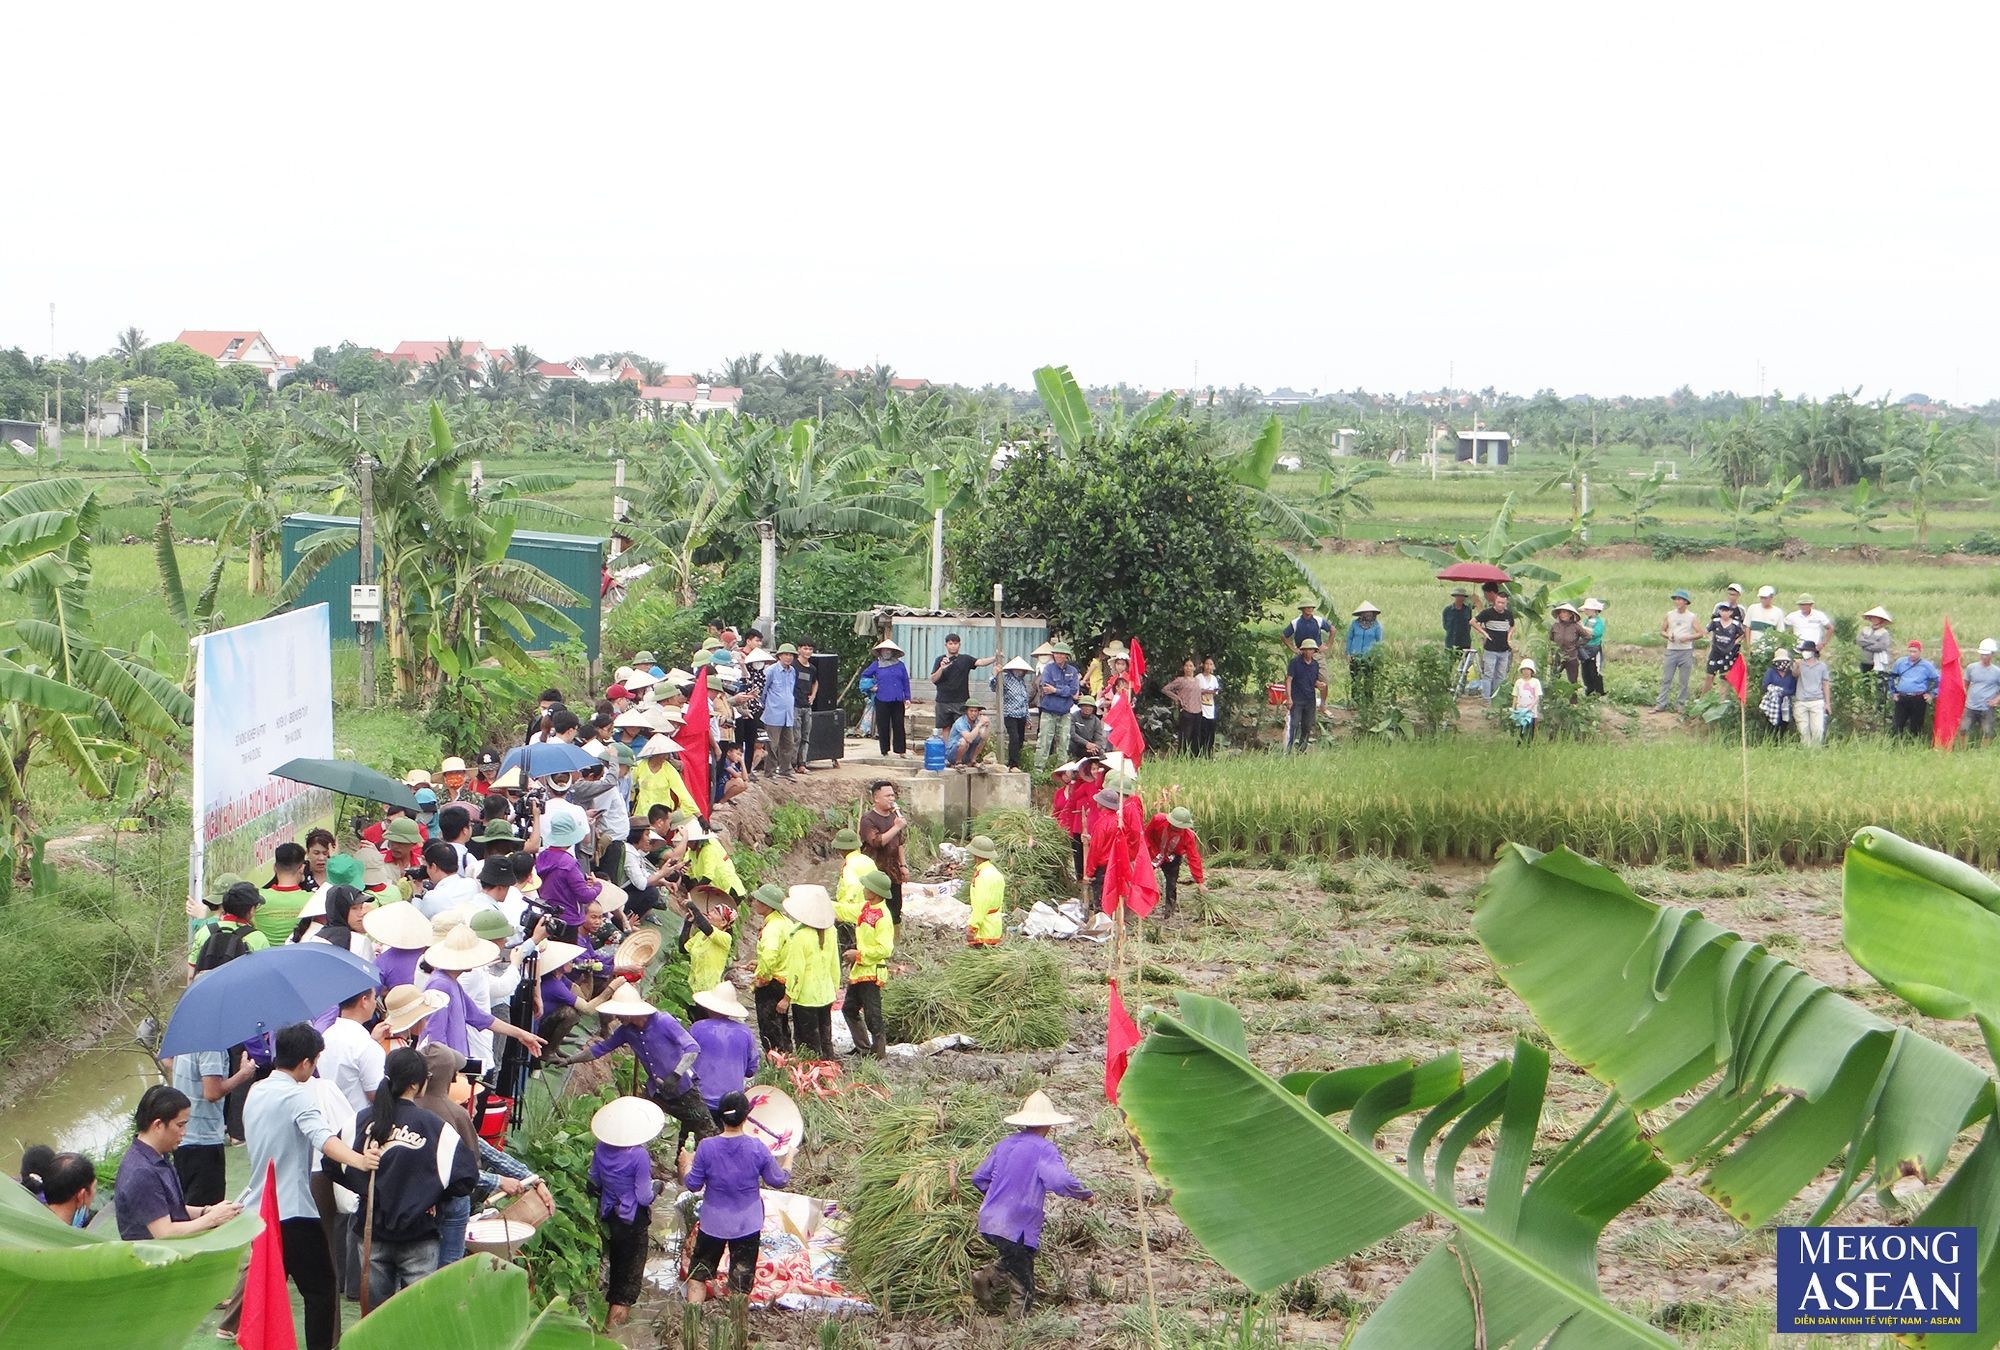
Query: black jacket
[[423, 1163]]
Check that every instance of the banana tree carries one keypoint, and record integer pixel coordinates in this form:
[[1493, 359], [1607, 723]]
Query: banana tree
[[1791, 1081], [1500, 547], [480, 1303]]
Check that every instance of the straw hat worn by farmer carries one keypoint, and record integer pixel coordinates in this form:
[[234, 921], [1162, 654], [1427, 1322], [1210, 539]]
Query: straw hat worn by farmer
[[728, 1050], [709, 936], [868, 965], [664, 1050], [1016, 1179], [809, 966], [988, 894], [1170, 839], [458, 952], [621, 1177]]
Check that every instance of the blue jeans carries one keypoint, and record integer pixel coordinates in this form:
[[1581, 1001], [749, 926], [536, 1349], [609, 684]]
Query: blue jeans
[[398, 1265], [453, 1213], [1492, 671]]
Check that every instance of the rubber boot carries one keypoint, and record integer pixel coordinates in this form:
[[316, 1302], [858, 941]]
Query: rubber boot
[[858, 1030], [982, 1290]]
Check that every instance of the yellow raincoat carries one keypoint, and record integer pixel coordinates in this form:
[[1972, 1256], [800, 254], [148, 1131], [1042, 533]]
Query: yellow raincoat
[[989, 902]]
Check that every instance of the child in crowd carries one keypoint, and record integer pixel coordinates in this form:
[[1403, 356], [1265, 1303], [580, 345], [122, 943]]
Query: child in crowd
[[1527, 709]]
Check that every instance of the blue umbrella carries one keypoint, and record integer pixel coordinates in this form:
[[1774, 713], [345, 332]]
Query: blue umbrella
[[262, 991], [539, 761]]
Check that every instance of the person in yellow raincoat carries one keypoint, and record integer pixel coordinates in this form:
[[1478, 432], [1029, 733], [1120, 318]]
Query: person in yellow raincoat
[[772, 1030], [709, 938], [848, 897], [988, 894], [708, 861], [809, 964], [868, 965], [656, 778]]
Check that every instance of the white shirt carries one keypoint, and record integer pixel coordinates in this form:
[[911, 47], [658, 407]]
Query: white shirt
[[478, 987], [448, 894], [1815, 627], [1770, 616], [352, 1061], [1209, 685]]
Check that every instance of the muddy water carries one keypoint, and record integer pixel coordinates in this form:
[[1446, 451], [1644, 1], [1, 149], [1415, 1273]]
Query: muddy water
[[88, 1107]]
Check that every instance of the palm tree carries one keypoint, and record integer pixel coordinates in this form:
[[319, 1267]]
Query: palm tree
[[524, 377], [247, 502], [1573, 466], [652, 372], [132, 348], [441, 377], [740, 372]]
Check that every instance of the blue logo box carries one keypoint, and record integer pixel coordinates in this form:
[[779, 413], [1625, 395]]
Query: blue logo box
[[1878, 1280]]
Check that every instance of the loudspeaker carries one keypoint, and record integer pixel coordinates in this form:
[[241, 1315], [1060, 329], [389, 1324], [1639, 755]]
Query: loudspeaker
[[825, 734], [826, 681]]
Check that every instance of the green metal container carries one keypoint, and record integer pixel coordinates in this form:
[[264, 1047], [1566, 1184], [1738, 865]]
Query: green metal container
[[575, 560]]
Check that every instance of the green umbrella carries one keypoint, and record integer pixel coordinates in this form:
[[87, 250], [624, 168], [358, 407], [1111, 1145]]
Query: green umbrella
[[349, 780]]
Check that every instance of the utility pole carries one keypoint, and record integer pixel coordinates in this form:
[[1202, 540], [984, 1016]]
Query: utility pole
[[999, 647], [145, 428], [59, 378], [365, 574]]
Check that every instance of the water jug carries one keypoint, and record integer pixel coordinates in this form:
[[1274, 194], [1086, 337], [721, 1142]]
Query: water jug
[[934, 754]]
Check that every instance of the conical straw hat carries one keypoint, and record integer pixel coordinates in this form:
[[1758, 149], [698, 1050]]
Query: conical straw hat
[[1039, 1110], [625, 1121]]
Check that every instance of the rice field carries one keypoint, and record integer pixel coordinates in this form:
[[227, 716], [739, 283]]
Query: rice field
[[1625, 803]]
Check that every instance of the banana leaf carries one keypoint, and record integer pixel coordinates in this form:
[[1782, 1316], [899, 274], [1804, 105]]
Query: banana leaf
[[480, 1303], [1926, 925], [1273, 1189], [1063, 401], [66, 1286], [1657, 1001]]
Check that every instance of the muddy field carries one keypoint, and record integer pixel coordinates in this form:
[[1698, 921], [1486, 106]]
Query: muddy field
[[1334, 965]]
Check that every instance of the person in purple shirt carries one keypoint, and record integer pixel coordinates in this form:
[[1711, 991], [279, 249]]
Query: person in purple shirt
[[727, 1169], [461, 950], [147, 1194], [1016, 1180], [663, 1050], [728, 1050], [565, 889], [400, 933], [621, 1177]]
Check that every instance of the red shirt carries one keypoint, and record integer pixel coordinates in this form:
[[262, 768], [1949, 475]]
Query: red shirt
[[1106, 825], [1167, 842], [373, 834], [1071, 799]]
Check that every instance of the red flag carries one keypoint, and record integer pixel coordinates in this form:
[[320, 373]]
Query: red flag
[[1142, 888], [1138, 665], [1738, 678], [1123, 729], [1120, 1035], [693, 741], [267, 1307], [1949, 708]]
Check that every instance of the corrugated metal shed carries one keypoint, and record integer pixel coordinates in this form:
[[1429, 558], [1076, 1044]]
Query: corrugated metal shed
[[922, 639], [575, 560]]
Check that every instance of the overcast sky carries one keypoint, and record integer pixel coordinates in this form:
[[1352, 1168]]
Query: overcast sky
[[1601, 199]]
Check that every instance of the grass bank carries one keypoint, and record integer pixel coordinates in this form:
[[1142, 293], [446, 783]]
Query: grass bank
[[1458, 798]]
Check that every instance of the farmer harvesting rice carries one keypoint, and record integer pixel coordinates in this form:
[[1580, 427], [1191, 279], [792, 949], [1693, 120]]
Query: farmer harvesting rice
[[621, 1178], [730, 1169], [1016, 1180], [767, 978], [988, 894], [664, 1050], [809, 966], [1170, 839]]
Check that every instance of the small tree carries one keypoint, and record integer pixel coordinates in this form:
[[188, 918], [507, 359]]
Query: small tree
[[1638, 501], [1865, 507], [1340, 494], [1923, 466]]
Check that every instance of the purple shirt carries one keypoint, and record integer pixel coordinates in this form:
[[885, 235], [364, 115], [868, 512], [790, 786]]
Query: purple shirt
[[147, 1188], [658, 1046], [557, 992], [564, 889], [624, 1177], [726, 1170], [447, 1025], [398, 965], [728, 1057], [1016, 1179]]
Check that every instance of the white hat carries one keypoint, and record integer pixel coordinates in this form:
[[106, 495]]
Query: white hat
[[555, 955], [1593, 603], [510, 778], [810, 905], [1561, 605], [1018, 663], [461, 950], [445, 920], [1782, 655], [618, 676], [1070, 767], [406, 1005], [417, 778], [1766, 592], [1366, 607], [722, 999], [1039, 1110], [452, 764], [1736, 586], [633, 719], [640, 679], [627, 1003], [694, 831], [624, 1122], [679, 677], [400, 925], [315, 908], [1987, 646], [760, 657], [1878, 613], [1528, 663], [889, 645]]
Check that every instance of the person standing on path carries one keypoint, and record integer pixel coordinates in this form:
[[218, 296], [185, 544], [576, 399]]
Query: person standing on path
[[1812, 698], [1211, 691], [1016, 1180], [1060, 685], [1305, 684], [1566, 639], [781, 713], [621, 1177], [1307, 626], [1015, 685], [1496, 644], [1914, 683], [1680, 628], [1764, 617], [810, 962], [1364, 635], [951, 675], [1982, 691], [1458, 624], [1591, 652], [868, 967], [1185, 690], [892, 697], [767, 978], [884, 829]]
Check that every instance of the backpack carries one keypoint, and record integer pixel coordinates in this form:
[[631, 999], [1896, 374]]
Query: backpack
[[223, 946]]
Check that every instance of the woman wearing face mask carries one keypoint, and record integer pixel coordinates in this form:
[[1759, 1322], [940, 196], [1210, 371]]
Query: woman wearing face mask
[[68, 1187]]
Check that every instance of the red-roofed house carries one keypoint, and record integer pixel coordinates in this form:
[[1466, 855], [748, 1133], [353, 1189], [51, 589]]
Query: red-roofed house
[[687, 394], [245, 348], [909, 386], [480, 360], [556, 370]]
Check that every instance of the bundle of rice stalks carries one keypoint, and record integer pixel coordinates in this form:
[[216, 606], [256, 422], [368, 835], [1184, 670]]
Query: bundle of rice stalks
[[1006, 998], [1034, 853], [912, 1211]]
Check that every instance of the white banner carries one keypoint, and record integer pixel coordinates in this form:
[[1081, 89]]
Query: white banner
[[263, 694]]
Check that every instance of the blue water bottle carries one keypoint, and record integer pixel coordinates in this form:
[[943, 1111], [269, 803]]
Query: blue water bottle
[[934, 754]]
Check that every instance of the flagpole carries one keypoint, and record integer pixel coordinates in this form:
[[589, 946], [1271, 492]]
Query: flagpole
[[1743, 744]]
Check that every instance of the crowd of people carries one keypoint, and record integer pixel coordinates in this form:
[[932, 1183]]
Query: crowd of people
[[510, 920]]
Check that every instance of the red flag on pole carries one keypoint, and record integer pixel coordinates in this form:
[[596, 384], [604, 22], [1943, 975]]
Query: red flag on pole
[[1123, 728], [267, 1307], [1949, 709], [1138, 665], [1120, 1035], [1738, 679], [693, 741]]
